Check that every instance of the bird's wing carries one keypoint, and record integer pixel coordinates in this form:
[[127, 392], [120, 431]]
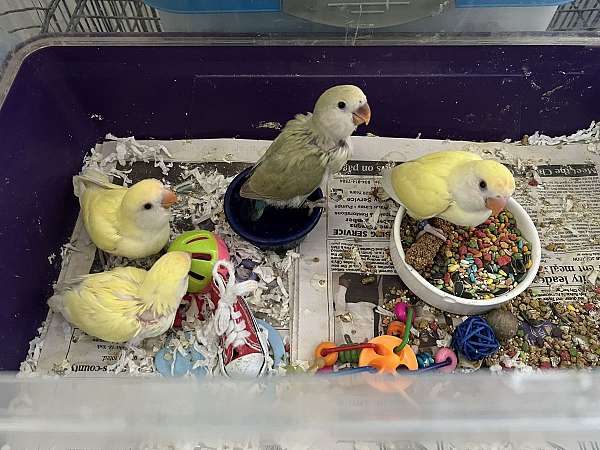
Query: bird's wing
[[422, 185], [290, 168], [100, 211], [448, 158], [92, 179], [105, 305], [388, 186], [424, 196], [130, 274]]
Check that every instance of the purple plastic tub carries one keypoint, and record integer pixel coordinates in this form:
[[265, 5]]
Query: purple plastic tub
[[184, 87]]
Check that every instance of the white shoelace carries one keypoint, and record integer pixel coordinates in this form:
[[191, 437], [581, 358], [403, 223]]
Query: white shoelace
[[225, 319]]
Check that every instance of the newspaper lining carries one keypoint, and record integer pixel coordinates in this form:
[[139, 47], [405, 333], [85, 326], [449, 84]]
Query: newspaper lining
[[344, 269]]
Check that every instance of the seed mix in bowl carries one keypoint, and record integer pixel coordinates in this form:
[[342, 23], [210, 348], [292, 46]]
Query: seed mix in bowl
[[477, 262]]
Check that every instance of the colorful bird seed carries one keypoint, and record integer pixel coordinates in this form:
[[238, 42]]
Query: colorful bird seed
[[481, 262]]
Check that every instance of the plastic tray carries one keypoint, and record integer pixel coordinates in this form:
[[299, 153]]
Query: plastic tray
[[54, 90]]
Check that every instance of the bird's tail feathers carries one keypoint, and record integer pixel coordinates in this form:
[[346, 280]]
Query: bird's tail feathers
[[256, 209], [91, 177], [386, 183]]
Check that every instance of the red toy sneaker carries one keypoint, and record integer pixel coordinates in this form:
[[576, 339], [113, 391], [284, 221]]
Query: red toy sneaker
[[198, 303], [244, 352]]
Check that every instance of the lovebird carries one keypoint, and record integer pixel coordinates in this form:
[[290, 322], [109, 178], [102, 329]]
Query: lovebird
[[126, 304], [131, 222], [457, 186], [309, 148]]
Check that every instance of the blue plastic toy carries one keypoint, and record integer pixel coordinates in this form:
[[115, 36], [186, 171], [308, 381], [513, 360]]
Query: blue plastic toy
[[475, 339], [178, 365], [425, 359], [275, 342]]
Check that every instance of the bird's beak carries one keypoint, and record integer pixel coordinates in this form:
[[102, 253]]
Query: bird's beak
[[496, 204], [168, 199], [362, 115]]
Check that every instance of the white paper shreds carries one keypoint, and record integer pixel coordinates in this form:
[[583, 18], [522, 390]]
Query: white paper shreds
[[134, 361], [29, 366], [128, 151], [590, 134], [201, 194], [201, 201]]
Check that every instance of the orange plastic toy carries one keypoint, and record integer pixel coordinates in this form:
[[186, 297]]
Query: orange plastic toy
[[395, 328], [331, 358], [385, 359]]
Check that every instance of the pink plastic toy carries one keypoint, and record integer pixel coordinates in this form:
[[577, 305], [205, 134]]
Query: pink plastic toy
[[400, 310], [442, 355]]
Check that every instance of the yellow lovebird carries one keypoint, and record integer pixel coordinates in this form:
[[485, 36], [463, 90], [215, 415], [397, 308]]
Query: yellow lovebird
[[131, 222], [457, 186], [126, 304]]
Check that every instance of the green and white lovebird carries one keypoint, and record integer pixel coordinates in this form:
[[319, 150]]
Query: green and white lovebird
[[309, 148]]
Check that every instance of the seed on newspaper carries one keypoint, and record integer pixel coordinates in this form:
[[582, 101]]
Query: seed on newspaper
[[347, 254], [368, 280]]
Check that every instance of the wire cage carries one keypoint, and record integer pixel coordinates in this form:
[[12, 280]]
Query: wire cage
[[577, 15], [104, 16], [27, 18]]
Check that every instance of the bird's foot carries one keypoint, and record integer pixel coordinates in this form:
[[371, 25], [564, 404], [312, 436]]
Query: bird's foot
[[321, 203], [425, 227]]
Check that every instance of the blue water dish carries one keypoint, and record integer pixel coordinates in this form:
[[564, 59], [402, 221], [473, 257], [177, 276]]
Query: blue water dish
[[277, 229]]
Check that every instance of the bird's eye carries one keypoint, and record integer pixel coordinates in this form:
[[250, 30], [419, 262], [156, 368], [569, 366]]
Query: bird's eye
[[341, 105], [148, 206], [482, 184]]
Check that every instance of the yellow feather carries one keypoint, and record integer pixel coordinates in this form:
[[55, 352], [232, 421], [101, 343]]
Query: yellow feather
[[100, 216], [422, 185], [113, 218], [126, 303], [105, 305]]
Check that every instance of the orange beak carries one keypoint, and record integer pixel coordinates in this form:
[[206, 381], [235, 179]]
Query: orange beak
[[168, 199], [496, 204], [362, 115]]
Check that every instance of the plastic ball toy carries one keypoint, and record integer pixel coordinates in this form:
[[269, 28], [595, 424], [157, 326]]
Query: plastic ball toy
[[206, 249]]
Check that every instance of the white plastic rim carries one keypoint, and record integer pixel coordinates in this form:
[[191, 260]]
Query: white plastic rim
[[458, 305]]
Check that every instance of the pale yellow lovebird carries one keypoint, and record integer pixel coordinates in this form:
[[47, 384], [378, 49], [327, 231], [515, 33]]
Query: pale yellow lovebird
[[131, 222], [457, 186], [126, 304]]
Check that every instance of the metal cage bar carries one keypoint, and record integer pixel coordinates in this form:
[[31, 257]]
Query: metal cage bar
[[577, 15], [80, 16]]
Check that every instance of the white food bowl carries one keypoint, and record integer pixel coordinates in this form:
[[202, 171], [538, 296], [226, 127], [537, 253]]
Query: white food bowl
[[458, 305]]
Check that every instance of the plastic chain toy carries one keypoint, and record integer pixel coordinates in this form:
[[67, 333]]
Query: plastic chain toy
[[206, 248], [383, 354]]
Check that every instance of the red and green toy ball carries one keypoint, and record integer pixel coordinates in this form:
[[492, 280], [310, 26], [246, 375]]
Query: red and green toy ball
[[206, 248]]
